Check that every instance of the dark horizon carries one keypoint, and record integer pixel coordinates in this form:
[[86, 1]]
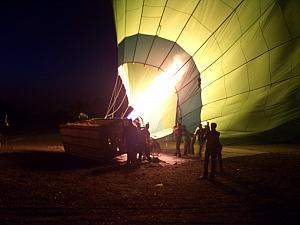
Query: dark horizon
[[57, 60]]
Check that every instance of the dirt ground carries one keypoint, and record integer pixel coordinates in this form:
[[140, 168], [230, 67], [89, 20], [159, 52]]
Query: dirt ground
[[40, 184]]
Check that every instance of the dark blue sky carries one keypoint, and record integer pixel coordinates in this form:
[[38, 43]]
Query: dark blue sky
[[56, 53]]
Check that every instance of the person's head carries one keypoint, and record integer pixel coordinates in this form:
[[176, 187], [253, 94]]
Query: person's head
[[213, 126], [128, 123], [137, 122], [147, 126]]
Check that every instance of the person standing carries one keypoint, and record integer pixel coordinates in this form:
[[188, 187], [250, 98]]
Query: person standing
[[219, 157], [131, 136], [200, 135], [139, 139], [145, 142], [177, 131], [212, 147]]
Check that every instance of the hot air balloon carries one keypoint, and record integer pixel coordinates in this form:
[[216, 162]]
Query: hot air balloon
[[233, 62]]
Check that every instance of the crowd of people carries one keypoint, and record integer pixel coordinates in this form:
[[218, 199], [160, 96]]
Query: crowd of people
[[139, 144], [207, 134]]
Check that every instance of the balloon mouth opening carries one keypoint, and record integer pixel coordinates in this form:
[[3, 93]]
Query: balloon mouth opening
[[152, 100]]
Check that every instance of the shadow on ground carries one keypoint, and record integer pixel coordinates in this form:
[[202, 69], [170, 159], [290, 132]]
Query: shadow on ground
[[49, 161]]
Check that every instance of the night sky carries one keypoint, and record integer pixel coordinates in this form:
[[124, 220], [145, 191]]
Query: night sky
[[58, 58]]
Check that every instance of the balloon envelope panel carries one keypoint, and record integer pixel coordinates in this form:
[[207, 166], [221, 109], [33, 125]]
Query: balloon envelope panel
[[247, 54]]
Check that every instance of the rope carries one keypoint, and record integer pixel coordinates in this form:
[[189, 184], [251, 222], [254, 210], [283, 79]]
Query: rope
[[115, 98], [111, 97], [112, 114], [122, 115]]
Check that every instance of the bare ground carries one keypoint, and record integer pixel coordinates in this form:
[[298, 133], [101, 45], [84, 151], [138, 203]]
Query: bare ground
[[40, 184]]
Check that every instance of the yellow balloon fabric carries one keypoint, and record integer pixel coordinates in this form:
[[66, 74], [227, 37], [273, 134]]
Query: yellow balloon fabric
[[234, 62]]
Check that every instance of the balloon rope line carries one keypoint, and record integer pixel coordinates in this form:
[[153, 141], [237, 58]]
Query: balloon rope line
[[137, 37], [111, 98], [226, 52], [116, 110], [208, 38], [245, 63], [180, 34], [117, 96], [122, 116], [156, 34]]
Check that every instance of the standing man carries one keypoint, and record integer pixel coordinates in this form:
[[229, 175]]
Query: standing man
[[131, 136], [145, 141], [177, 131], [200, 134], [139, 139], [219, 157], [212, 147]]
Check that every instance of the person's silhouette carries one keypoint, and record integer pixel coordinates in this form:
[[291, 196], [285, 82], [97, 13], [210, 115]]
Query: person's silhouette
[[213, 146]]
